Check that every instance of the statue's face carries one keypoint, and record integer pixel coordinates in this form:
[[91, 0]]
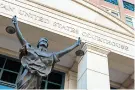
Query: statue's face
[[43, 44]]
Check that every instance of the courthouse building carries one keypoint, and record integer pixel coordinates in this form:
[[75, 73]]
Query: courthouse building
[[107, 34]]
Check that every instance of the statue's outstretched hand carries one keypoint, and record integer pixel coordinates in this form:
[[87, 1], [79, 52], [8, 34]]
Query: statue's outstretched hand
[[14, 20], [78, 41]]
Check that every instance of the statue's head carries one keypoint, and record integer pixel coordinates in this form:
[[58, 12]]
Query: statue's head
[[42, 43]]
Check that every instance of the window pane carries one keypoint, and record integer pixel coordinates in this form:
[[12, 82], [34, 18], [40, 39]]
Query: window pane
[[128, 5], [12, 65], [55, 77], [44, 78], [129, 21], [2, 60], [9, 77], [128, 18], [114, 13], [42, 85], [112, 1], [52, 86]]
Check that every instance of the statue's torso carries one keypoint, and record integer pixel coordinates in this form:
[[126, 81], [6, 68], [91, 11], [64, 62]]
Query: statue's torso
[[38, 62]]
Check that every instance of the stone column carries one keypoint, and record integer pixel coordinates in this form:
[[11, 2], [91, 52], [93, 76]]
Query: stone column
[[121, 10], [71, 80], [93, 71]]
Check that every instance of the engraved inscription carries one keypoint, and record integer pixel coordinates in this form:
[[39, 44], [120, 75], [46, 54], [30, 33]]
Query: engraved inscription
[[59, 25]]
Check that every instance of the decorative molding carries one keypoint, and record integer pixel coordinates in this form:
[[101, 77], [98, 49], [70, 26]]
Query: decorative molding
[[8, 52], [95, 49], [61, 68]]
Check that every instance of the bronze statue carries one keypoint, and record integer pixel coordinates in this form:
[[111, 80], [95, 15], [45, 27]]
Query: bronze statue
[[36, 60]]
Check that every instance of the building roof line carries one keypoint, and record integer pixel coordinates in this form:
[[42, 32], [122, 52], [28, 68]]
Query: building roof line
[[80, 18], [102, 12]]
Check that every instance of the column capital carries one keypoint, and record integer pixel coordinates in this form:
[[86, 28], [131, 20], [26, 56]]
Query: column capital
[[88, 47], [95, 49]]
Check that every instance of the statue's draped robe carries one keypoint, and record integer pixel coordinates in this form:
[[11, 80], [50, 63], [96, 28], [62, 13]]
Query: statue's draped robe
[[37, 64]]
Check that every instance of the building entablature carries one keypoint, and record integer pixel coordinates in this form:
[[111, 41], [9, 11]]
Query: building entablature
[[118, 38]]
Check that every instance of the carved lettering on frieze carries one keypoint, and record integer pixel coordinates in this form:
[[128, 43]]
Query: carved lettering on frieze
[[60, 25], [105, 40], [7, 7]]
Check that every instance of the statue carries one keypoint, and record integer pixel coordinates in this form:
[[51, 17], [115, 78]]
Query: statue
[[36, 61]]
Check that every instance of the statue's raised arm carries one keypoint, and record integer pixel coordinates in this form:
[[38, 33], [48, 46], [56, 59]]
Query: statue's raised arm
[[67, 50], [18, 32], [24, 43]]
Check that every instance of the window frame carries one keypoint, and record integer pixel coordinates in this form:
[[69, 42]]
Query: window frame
[[127, 7], [110, 1], [110, 10], [5, 83], [62, 83], [127, 16]]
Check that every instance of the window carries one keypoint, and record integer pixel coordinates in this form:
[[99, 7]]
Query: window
[[112, 1], [10, 70], [112, 12], [116, 14], [128, 5], [129, 21], [55, 80]]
